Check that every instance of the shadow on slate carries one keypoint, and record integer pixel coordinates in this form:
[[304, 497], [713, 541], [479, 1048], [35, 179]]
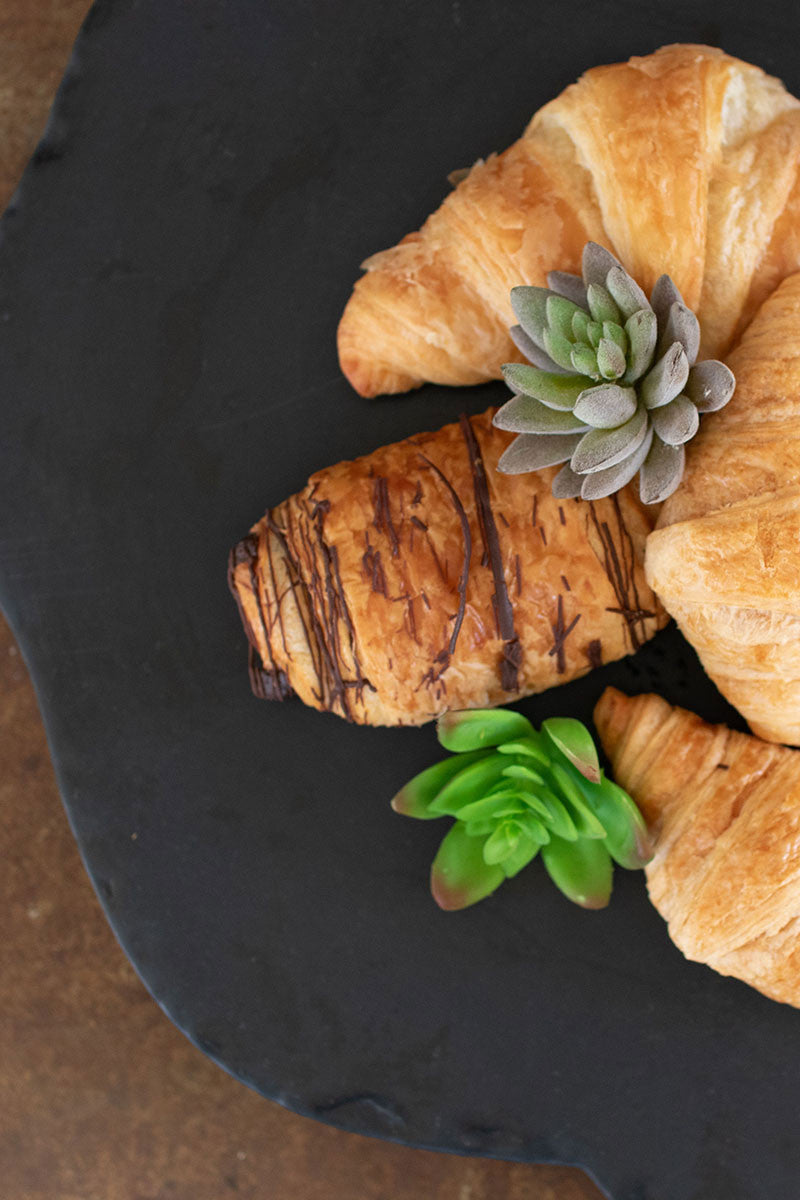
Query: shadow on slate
[[172, 271]]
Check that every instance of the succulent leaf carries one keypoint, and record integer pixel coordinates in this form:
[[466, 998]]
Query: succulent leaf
[[610, 359], [661, 472], [475, 729], [570, 286], [573, 740], [676, 422], [525, 852], [596, 262], [581, 870], [523, 414], [666, 379], [554, 390], [602, 448], [627, 837], [558, 347], [682, 326], [530, 309], [530, 452], [532, 352], [414, 799], [611, 479], [560, 312], [584, 360], [602, 305], [662, 298], [460, 875], [567, 483], [605, 406], [642, 333], [626, 292], [710, 385], [468, 785]]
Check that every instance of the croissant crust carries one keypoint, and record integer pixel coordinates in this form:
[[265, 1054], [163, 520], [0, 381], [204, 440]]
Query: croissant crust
[[725, 809], [684, 161], [419, 579]]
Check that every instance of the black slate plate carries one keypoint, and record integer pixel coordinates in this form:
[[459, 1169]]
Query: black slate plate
[[171, 275]]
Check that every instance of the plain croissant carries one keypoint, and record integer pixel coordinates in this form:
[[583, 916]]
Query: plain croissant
[[726, 563], [684, 161], [419, 579], [725, 811]]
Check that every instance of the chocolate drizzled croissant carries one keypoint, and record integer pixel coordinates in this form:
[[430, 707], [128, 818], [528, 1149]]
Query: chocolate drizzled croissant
[[418, 579]]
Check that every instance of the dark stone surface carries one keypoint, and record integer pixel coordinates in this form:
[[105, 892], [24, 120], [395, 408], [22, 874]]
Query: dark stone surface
[[171, 276]]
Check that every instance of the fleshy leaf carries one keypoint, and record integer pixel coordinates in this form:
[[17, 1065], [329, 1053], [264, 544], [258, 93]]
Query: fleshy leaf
[[626, 292], [525, 852], [584, 360], [460, 876], [558, 817], [601, 448], [567, 483], [642, 331], [615, 333], [605, 406], [535, 356], [530, 309], [468, 785], [610, 359], [477, 728], [575, 742], [663, 296], [531, 453], [681, 326], [710, 385], [528, 746], [604, 483], [570, 286], [523, 414], [595, 332], [627, 838], [676, 422], [581, 870], [559, 315], [491, 807], [556, 391], [596, 263], [520, 771], [602, 305], [573, 792], [413, 799], [661, 471], [558, 347], [501, 842], [580, 326], [666, 379]]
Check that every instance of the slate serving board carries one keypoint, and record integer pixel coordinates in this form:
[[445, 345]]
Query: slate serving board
[[172, 271]]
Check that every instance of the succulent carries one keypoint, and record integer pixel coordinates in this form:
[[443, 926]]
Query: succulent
[[613, 387], [514, 792]]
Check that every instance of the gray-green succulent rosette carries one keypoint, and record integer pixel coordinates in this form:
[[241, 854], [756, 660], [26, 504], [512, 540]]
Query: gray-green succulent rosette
[[516, 793], [613, 387]]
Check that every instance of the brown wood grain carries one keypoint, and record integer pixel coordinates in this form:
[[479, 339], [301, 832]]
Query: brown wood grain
[[101, 1098]]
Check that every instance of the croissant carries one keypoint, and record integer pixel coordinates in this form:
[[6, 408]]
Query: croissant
[[419, 579], [725, 811], [684, 161], [726, 560]]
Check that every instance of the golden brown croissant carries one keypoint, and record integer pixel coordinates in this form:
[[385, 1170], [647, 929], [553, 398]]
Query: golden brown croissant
[[726, 564], [725, 809], [684, 161], [419, 579]]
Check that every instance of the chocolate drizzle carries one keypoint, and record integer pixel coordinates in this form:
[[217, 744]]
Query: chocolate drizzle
[[267, 683], [594, 653], [444, 656], [620, 567], [560, 634], [383, 512], [492, 557]]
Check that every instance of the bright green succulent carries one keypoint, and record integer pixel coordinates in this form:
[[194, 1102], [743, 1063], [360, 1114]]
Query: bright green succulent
[[613, 389], [515, 793]]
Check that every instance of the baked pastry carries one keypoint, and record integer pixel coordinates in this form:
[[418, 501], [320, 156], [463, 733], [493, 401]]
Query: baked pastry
[[419, 579], [725, 811], [684, 161], [726, 563]]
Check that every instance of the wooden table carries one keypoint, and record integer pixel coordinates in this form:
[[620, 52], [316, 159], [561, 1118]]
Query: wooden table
[[101, 1097]]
